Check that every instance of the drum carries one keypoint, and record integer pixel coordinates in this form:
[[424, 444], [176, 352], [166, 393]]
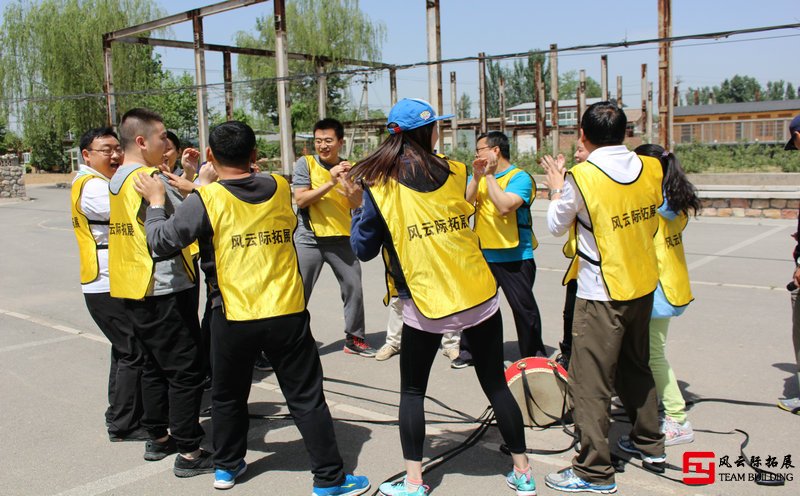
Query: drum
[[539, 387]]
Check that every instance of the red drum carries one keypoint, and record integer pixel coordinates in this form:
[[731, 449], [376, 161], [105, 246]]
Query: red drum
[[544, 384]]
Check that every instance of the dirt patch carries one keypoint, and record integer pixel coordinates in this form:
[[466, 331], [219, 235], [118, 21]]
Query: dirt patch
[[47, 178]]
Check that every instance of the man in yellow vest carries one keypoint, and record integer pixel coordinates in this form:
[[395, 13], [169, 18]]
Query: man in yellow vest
[[244, 224], [502, 194], [614, 197], [90, 213], [325, 197], [157, 292]]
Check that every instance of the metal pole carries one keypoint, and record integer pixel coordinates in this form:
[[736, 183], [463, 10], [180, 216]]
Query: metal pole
[[111, 102], [644, 99], [393, 85], [604, 77], [366, 112], [538, 95], [322, 90], [581, 96], [454, 111], [619, 91], [665, 97], [227, 76], [434, 54], [676, 96], [482, 89], [282, 64], [554, 95], [502, 88], [650, 112], [200, 81]]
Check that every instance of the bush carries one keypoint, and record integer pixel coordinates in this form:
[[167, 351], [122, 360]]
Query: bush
[[698, 158]]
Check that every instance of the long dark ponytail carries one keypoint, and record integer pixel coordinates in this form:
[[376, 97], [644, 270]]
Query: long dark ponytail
[[679, 192], [402, 155]]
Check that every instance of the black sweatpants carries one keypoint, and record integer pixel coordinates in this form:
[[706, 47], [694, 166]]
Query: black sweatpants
[[293, 353], [127, 359], [569, 315], [516, 280], [417, 351], [172, 376]]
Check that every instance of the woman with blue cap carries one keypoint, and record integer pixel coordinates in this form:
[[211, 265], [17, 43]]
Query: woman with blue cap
[[414, 211]]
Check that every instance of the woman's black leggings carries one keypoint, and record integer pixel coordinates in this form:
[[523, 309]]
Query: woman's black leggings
[[417, 351]]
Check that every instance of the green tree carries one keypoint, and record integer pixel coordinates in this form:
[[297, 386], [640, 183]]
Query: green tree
[[53, 48], [464, 107], [776, 90], [177, 104], [737, 89], [790, 92], [335, 29]]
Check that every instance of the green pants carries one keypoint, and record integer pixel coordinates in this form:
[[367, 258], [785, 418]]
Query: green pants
[[666, 384]]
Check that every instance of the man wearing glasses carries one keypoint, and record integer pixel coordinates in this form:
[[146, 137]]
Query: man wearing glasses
[[102, 156], [502, 194], [325, 197]]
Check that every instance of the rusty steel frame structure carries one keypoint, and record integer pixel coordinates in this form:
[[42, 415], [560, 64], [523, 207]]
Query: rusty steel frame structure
[[135, 35]]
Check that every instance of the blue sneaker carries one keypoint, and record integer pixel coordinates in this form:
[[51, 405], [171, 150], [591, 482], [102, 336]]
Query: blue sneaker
[[225, 479], [567, 481], [625, 444], [399, 489], [523, 484], [353, 485]]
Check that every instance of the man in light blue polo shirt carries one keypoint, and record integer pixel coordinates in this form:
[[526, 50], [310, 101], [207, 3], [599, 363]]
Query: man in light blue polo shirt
[[502, 194]]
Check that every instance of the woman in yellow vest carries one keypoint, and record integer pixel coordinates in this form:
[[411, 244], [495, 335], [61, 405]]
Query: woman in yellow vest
[[414, 207], [673, 294]]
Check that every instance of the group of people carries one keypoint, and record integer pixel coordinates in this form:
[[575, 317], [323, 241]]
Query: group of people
[[141, 226]]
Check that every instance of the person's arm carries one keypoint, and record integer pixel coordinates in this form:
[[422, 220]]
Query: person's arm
[[563, 210], [305, 195], [506, 202], [478, 170], [168, 235], [94, 200], [367, 230]]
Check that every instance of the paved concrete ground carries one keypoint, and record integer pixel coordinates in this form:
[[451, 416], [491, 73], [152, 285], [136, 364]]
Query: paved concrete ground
[[733, 343]]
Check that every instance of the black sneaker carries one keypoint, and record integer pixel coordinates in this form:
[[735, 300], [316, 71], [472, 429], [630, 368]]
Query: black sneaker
[[155, 451], [358, 346], [460, 363], [203, 464], [262, 363], [138, 434]]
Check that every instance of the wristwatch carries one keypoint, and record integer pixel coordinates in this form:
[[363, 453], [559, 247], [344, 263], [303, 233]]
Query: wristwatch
[[554, 191]]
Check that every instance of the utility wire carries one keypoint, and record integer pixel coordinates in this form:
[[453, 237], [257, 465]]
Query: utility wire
[[516, 55]]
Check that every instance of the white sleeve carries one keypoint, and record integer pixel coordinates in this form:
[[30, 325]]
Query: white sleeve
[[94, 200], [561, 213]]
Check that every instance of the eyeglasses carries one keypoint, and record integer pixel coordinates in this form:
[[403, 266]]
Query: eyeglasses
[[478, 150], [327, 141], [107, 151]]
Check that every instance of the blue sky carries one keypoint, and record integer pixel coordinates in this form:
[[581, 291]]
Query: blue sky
[[506, 26]]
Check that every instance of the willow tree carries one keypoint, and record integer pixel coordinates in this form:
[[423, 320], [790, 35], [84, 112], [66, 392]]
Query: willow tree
[[336, 29], [51, 52]]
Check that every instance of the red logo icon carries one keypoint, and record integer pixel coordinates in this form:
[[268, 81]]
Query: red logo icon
[[699, 468]]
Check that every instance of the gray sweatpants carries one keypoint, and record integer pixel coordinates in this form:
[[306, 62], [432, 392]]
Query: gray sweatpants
[[340, 257]]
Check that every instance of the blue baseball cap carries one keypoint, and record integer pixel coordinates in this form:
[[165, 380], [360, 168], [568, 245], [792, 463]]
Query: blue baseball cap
[[794, 127], [411, 113]]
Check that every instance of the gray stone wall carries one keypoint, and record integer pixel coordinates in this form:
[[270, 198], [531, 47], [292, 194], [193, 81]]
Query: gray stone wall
[[12, 182]]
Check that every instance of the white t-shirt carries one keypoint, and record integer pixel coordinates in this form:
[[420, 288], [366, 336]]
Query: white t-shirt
[[622, 166], [95, 205]]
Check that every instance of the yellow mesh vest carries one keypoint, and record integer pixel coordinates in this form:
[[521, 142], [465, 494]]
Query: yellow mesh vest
[[500, 231], [257, 270], [624, 221], [87, 246], [330, 215], [130, 265], [672, 271], [438, 252]]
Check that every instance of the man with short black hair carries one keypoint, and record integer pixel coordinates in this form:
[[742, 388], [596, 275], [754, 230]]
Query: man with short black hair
[[325, 197], [613, 196], [102, 156], [502, 194], [157, 292], [244, 225], [793, 404]]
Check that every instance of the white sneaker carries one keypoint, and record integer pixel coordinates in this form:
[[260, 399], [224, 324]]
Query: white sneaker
[[676, 432], [386, 352], [451, 353]]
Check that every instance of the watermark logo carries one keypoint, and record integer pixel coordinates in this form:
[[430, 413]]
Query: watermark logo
[[699, 468]]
